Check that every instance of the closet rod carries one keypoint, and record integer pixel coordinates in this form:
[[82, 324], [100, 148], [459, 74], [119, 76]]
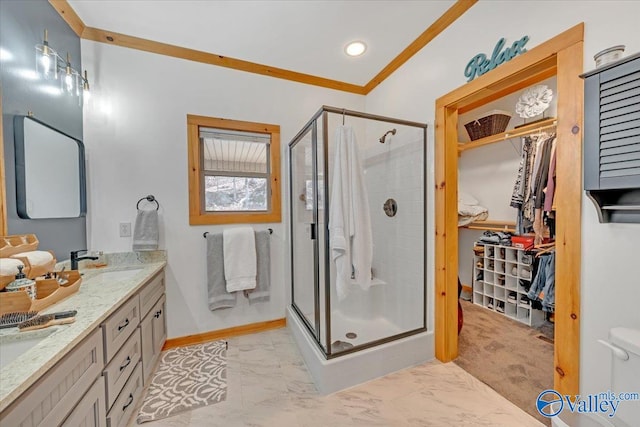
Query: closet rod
[[512, 133]]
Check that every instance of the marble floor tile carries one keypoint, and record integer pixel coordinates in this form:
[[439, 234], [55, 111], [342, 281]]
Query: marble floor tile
[[269, 385]]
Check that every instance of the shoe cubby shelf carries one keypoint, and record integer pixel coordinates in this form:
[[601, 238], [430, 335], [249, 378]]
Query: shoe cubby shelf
[[496, 282]]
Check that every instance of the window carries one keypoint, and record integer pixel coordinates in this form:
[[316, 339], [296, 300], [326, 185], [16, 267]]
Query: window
[[234, 171]]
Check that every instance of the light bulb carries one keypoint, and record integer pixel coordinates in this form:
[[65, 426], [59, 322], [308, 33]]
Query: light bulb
[[46, 63], [46, 60], [86, 94], [68, 82]]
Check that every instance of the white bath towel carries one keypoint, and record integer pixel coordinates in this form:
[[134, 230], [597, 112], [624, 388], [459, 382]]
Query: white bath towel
[[350, 238], [145, 233], [261, 293], [240, 262]]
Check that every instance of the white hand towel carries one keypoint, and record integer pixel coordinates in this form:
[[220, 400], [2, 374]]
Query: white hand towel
[[350, 237], [145, 233], [240, 262]]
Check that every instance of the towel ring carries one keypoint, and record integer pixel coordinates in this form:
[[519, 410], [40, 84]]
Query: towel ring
[[150, 198]]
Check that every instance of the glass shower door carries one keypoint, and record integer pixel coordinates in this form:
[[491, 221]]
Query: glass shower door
[[304, 253]]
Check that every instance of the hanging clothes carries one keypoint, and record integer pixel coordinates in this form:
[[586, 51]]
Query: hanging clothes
[[542, 175], [538, 191], [350, 237], [544, 282], [529, 190], [517, 198], [528, 209], [551, 182]]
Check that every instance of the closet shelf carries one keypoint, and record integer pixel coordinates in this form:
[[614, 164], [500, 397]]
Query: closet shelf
[[492, 225], [512, 133]]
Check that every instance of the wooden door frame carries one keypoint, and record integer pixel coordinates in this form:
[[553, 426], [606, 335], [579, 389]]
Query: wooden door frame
[[561, 56]]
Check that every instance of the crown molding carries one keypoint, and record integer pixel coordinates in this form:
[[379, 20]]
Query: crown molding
[[104, 36], [138, 43], [69, 15], [440, 24]]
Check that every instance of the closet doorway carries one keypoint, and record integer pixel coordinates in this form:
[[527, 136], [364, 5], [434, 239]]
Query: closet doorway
[[561, 56]]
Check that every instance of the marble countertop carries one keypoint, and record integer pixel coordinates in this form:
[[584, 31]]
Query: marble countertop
[[94, 301]]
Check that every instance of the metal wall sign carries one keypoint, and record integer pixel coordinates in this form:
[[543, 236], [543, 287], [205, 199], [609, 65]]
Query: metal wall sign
[[480, 64]]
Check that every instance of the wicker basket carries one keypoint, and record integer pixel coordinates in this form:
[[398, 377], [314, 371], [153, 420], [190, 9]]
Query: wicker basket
[[488, 124]]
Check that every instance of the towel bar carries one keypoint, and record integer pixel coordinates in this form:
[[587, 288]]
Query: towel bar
[[206, 232]]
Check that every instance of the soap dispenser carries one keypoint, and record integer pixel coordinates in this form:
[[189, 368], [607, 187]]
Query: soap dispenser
[[22, 283]]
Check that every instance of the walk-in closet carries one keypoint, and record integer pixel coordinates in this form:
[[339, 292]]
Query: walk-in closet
[[505, 143], [506, 177]]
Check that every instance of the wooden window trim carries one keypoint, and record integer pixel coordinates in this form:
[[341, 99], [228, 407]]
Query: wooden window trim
[[197, 213]]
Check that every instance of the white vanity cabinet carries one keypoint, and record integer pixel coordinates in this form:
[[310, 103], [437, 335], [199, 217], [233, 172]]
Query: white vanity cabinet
[[99, 382], [126, 338], [153, 327]]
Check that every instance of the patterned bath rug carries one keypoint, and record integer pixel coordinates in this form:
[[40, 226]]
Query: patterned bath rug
[[186, 378]]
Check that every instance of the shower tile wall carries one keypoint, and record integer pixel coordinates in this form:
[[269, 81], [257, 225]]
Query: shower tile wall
[[395, 170]]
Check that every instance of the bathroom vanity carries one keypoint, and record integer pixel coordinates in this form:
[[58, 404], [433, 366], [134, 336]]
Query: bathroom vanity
[[91, 372]]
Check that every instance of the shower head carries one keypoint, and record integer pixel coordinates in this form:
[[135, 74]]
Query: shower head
[[392, 132]]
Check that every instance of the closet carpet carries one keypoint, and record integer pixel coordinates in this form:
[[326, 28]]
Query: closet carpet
[[507, 356]]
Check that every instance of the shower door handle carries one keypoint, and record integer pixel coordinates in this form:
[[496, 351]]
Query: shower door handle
[[313, 231]]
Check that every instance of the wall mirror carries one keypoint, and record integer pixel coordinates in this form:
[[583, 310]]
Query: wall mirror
[[50, 172]]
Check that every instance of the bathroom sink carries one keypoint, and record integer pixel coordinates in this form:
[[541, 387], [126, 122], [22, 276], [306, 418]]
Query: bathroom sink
[[14, 345], [115, 276]]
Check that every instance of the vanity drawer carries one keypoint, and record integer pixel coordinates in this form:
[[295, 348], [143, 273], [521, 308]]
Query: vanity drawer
[[119, 369], [119, 326], [150, 293], [49, 401], [90, 410], [126, 403]]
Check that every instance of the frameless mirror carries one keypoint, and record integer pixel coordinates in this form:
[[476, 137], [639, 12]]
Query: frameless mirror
[[50, 174]]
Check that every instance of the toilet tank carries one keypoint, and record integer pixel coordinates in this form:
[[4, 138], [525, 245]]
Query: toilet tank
[[625, 375]]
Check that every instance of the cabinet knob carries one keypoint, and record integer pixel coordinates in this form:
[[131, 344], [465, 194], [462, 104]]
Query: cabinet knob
[[158, 314]]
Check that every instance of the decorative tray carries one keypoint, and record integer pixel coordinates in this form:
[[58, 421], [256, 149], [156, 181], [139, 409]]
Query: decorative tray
[[24, 245], [10, 245], [48, 292]]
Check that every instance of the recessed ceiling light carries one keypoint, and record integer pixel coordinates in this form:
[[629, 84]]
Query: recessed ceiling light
[[355, 48]]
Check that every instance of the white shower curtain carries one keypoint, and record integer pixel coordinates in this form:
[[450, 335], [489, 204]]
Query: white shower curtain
[[350, 239]]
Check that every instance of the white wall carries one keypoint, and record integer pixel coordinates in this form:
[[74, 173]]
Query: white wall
[[609, 252], [135, 136]]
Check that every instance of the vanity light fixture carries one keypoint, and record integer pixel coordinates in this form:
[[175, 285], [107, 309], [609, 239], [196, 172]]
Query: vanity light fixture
[[85, 87], [50, 65], [356, 48], [46, 59]]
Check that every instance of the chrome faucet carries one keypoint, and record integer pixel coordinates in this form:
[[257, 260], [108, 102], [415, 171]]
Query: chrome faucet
[[75, 259]]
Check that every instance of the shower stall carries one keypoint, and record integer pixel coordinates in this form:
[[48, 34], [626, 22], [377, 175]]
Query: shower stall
[[353, 329]]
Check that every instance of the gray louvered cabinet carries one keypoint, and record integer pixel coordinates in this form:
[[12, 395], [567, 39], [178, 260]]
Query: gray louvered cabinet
[[612, 140]]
